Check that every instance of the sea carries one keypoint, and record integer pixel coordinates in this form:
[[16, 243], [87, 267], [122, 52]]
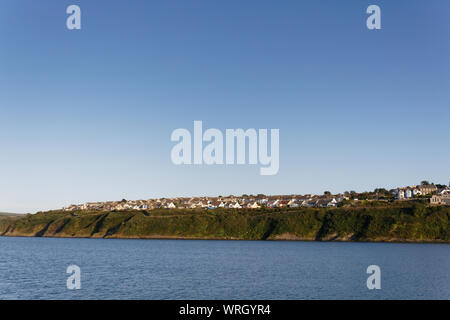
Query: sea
[[61, 268]]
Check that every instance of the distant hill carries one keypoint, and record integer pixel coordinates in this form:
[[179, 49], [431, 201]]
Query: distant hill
[[6, 214]]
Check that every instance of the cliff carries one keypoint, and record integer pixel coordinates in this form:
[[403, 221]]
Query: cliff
[[385, 222]]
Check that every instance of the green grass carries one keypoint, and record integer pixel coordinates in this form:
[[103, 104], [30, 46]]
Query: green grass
[[380, 222]]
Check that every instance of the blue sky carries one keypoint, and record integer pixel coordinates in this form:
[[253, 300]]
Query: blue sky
[[87, 115]]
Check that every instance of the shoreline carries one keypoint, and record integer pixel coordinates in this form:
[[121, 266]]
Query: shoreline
[[394, 241], [397, 223]]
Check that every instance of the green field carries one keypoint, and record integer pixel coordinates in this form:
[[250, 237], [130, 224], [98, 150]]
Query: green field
[[409, 222]]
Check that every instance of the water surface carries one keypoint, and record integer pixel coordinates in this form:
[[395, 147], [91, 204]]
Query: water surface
[[35, 268]]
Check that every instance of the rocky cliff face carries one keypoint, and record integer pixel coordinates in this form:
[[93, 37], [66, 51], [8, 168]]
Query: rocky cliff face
[[397, 223]]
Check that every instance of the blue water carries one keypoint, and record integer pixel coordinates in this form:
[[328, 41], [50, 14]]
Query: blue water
[[35, 268]]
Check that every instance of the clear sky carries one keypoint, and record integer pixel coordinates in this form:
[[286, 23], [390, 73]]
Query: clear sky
[[87, 115]]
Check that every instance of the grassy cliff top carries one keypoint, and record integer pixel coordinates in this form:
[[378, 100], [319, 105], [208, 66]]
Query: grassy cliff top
[[410, 222]]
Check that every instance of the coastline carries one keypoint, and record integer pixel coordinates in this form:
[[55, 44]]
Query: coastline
[[396, 223], [276, 239]]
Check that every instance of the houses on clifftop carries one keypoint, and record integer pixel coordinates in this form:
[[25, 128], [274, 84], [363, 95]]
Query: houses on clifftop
[[438, 195]]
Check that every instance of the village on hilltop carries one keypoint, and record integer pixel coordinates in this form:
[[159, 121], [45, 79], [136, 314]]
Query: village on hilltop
[[437, 195]]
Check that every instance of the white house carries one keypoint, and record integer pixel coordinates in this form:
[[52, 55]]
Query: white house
[[263, 201], [308, 203], [332, 203], [293, 203], [236, 205], [201, 204], [253, 205], [171, 205], [404, 193], [276, 203]]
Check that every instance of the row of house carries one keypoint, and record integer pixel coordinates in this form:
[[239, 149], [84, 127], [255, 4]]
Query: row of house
[[440, 196], [443, 198], [411, 192], [230, 202]]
